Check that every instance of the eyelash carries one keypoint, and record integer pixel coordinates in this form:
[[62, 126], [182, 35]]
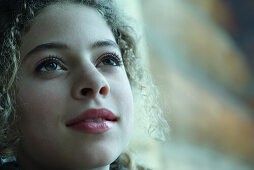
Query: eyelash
[[48, 60], [58, 62], [113, 56]]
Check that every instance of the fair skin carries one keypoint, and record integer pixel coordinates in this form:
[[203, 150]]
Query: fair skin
[[51, 94]]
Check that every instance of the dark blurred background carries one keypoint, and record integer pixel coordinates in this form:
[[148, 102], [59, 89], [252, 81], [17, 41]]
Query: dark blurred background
[[240, 26]]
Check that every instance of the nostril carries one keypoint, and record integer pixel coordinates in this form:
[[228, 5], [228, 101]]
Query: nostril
[[85, 91], [103, 90]]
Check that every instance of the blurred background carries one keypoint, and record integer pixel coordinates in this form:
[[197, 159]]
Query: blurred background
[[201, 56]]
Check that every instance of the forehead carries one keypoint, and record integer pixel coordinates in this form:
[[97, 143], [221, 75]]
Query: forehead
[[68, 22]]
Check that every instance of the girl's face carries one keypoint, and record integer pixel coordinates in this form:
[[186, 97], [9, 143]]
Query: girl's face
[[71, 78]]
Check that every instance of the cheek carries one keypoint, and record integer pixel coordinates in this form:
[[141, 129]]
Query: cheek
[[124, 101], [38, 106], [127, 104]]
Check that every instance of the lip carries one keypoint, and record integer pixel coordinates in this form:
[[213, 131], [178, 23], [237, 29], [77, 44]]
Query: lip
[[84, 122]]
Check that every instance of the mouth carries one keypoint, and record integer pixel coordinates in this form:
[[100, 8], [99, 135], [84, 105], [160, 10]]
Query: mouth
[[93, 121]]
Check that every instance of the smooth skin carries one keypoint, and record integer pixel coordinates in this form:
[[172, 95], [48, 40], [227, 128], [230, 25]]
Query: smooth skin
[[81, 53]]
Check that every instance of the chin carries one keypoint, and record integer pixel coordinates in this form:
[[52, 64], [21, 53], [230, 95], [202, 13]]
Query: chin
[[94, 159]]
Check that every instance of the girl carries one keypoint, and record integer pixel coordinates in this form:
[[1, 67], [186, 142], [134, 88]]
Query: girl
[[68, 72]]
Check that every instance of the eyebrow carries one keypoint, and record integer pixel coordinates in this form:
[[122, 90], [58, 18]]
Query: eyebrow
[[62, 46], [106, 43]]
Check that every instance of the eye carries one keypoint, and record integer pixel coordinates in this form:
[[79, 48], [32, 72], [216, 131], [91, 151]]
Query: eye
[[50, 64], [110, 59]]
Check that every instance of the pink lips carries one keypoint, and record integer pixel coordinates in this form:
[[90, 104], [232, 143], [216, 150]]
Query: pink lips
[[93, 121]]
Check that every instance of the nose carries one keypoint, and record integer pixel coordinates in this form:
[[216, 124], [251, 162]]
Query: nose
[[90, 83]]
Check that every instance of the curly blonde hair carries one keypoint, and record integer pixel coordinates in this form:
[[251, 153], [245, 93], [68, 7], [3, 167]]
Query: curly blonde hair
[[15, 19]]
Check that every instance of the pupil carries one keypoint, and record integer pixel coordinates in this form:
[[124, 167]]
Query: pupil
[[109, 61], [51, 66]]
